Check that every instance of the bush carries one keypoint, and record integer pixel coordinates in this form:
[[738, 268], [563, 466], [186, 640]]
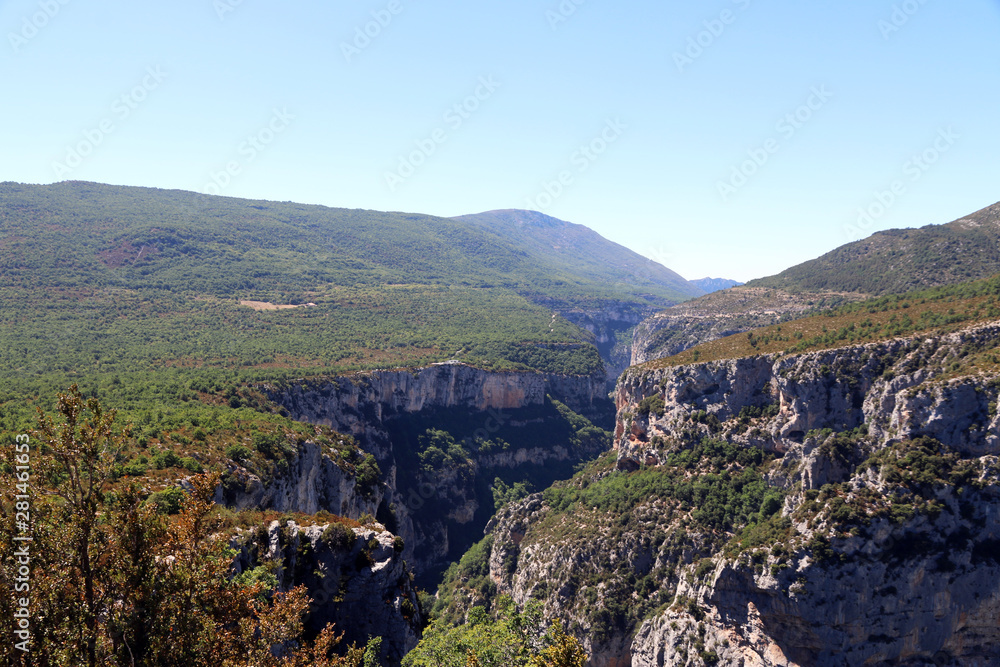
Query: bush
[[367, 476], [272, 445], [338, 537], [192, 465], [136, 468], [239, 453], [169, 500], [166, 459], [652, 404]]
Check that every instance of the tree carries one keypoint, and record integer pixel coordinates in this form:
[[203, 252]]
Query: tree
[[508, 637], [562, 651], [114, 582]]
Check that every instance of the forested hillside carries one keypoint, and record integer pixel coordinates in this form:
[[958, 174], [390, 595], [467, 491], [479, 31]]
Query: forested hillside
[[130, 287]]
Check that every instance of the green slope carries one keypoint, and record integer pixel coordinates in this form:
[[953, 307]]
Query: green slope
[[580, 250], [84, 234], [99, 278], [898, 260]]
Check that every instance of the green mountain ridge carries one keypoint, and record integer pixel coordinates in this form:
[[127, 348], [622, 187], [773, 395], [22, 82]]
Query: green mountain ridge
[[900, 260], [576, 247], [888, 262], [132, 269]]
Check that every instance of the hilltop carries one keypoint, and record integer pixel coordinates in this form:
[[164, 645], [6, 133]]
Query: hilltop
[[716, 284], [576, 248], [901, 260], [888, 262]]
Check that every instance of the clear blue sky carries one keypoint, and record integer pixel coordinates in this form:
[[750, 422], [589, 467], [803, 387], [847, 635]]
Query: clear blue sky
[[666, 122]]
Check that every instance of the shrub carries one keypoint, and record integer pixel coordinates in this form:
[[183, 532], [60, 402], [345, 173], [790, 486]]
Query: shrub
[[168, 501], [272, 445], [338, 537], [192, 464], [166, 459], [367, 476], [652, 404], [239, 453], [135, 468]]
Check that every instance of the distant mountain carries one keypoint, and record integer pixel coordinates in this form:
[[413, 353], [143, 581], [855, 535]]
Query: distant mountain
[[900, 260], [387, 289], [888, 262], [715, 284], [576, 248]]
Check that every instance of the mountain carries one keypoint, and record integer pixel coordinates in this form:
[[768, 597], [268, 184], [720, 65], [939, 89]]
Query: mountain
[[569, 247], [581, 250], [820, 492], [386, 289], [236, 333], [900, 260], [887, 262], [715, 284]]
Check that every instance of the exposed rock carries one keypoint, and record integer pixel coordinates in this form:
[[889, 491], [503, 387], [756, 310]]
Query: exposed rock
[[721, 314], [356, 579], [311, 482], [425, 507], [889, 547], [348, 403]]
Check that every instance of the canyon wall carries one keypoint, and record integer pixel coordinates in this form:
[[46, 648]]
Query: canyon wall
[[877, 540]]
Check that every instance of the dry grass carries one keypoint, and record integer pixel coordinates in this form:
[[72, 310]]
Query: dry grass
[[267, 305], [907, 317]]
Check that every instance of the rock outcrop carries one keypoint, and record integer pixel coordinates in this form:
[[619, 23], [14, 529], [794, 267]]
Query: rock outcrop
[[721, 314], [354, 403], [312, 480], [869, 481], [355, 576], [387, 412]]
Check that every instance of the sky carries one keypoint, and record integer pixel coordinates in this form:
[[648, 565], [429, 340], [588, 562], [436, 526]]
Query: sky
[[729, 138]]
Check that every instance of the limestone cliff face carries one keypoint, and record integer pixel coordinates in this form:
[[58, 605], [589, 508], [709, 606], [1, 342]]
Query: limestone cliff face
[[312, 481], [720, 314], [356, 578], [898, 389], [884, 548], [374, 407], [349, 403], [610, 326]]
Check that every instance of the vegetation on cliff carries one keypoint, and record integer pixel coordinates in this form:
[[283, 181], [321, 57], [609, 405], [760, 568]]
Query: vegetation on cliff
[[935, 311], [115, 582]]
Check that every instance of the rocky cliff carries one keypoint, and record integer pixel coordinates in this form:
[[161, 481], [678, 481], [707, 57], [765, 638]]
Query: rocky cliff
[[440, 436], [312, 479], [722, 314], [612, 325], [355, 577], [839, 507]]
